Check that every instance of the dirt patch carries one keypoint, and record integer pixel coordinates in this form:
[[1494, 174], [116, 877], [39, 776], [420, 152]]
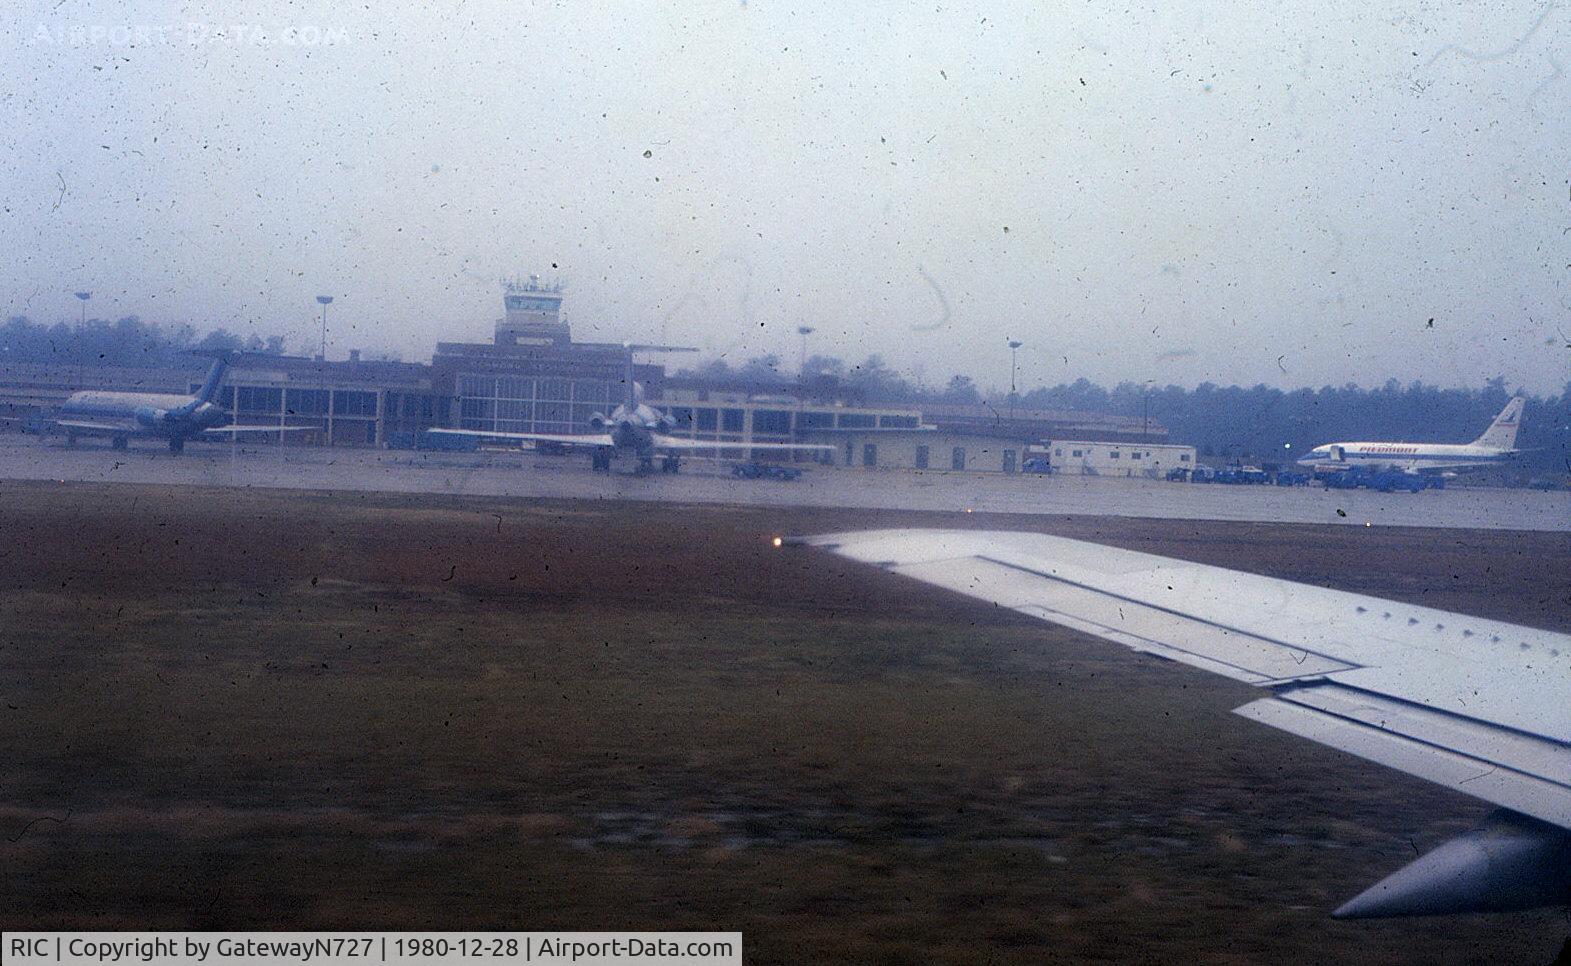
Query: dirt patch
[[227, 709]]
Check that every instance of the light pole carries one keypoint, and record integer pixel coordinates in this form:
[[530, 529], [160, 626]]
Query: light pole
[[324, 301], [84, 296], [1145, 412], [1014, 349], [804, 331]]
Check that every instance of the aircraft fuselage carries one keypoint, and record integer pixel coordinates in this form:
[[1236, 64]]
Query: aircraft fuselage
[[164, 415], [1403, 457]]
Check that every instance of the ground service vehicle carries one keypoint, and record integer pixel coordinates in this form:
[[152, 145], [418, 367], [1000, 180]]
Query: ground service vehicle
[[764, 471], [1386, 481]]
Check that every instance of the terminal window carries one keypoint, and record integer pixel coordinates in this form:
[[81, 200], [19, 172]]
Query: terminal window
[[593, 391], [1112, 454], [921, 457], [957, 459], [258, 399], [476, 386], [732, 419], [776, 421], [869, 454], [354, 403], [527, 304], [306, 402], [477, 409]]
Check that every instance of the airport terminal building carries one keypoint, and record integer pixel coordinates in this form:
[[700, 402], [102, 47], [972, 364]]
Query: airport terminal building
[[533, 378]]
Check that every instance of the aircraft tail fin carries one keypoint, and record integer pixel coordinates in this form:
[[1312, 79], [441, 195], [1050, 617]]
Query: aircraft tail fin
[[1501, 433], [632, 398], [209, 389], [628, 384]]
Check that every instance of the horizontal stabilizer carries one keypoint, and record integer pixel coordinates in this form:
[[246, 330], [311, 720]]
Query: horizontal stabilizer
[[1510, 862]]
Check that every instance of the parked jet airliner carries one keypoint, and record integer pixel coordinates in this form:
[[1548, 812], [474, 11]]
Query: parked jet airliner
[[634, 427], [171, 417], [1498, 443]]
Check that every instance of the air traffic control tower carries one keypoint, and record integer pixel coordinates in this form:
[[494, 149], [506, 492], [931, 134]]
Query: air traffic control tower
[[533, 314]]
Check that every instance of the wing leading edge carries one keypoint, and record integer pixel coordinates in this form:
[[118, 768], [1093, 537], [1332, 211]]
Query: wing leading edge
[[682, 444], [1481, 706], [590, 440], [88, 427]]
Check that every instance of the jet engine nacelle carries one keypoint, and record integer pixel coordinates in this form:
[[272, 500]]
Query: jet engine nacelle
[[149, 417], [665, 424], [598, 420]]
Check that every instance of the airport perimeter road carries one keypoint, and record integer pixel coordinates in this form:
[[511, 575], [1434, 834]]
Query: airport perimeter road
[[528, 475]]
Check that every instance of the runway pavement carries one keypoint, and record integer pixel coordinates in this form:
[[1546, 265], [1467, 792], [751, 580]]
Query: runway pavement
[[528, 475]]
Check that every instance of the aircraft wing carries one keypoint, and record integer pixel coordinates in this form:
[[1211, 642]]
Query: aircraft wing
[[87, 427], [1480, 706], [587, 439], [681, 444], [220, 430]]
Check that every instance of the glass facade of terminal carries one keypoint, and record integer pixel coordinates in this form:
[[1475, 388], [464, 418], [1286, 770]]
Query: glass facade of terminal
[[528, 404], [340, 417]]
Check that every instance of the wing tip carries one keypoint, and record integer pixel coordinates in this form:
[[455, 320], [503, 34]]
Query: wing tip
[[1509, 863], [803, 540]]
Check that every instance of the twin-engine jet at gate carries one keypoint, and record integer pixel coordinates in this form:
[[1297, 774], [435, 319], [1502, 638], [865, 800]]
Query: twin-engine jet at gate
[[170, 417], [1479, 706], [637, 429], [1496, 445]]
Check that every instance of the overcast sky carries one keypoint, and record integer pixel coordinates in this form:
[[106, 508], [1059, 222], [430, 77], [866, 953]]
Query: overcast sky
[[1226, 192]]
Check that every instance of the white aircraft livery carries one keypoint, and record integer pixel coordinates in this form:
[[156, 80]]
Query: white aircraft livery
[[1498, 443], [168, 416], [1480, 706]]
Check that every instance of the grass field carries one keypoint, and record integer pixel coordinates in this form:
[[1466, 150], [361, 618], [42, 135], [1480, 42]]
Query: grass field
[[234, 709]]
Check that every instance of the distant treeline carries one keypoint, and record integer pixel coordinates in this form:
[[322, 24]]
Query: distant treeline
[[1261, 423], [127, 342], [1256, 424]]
